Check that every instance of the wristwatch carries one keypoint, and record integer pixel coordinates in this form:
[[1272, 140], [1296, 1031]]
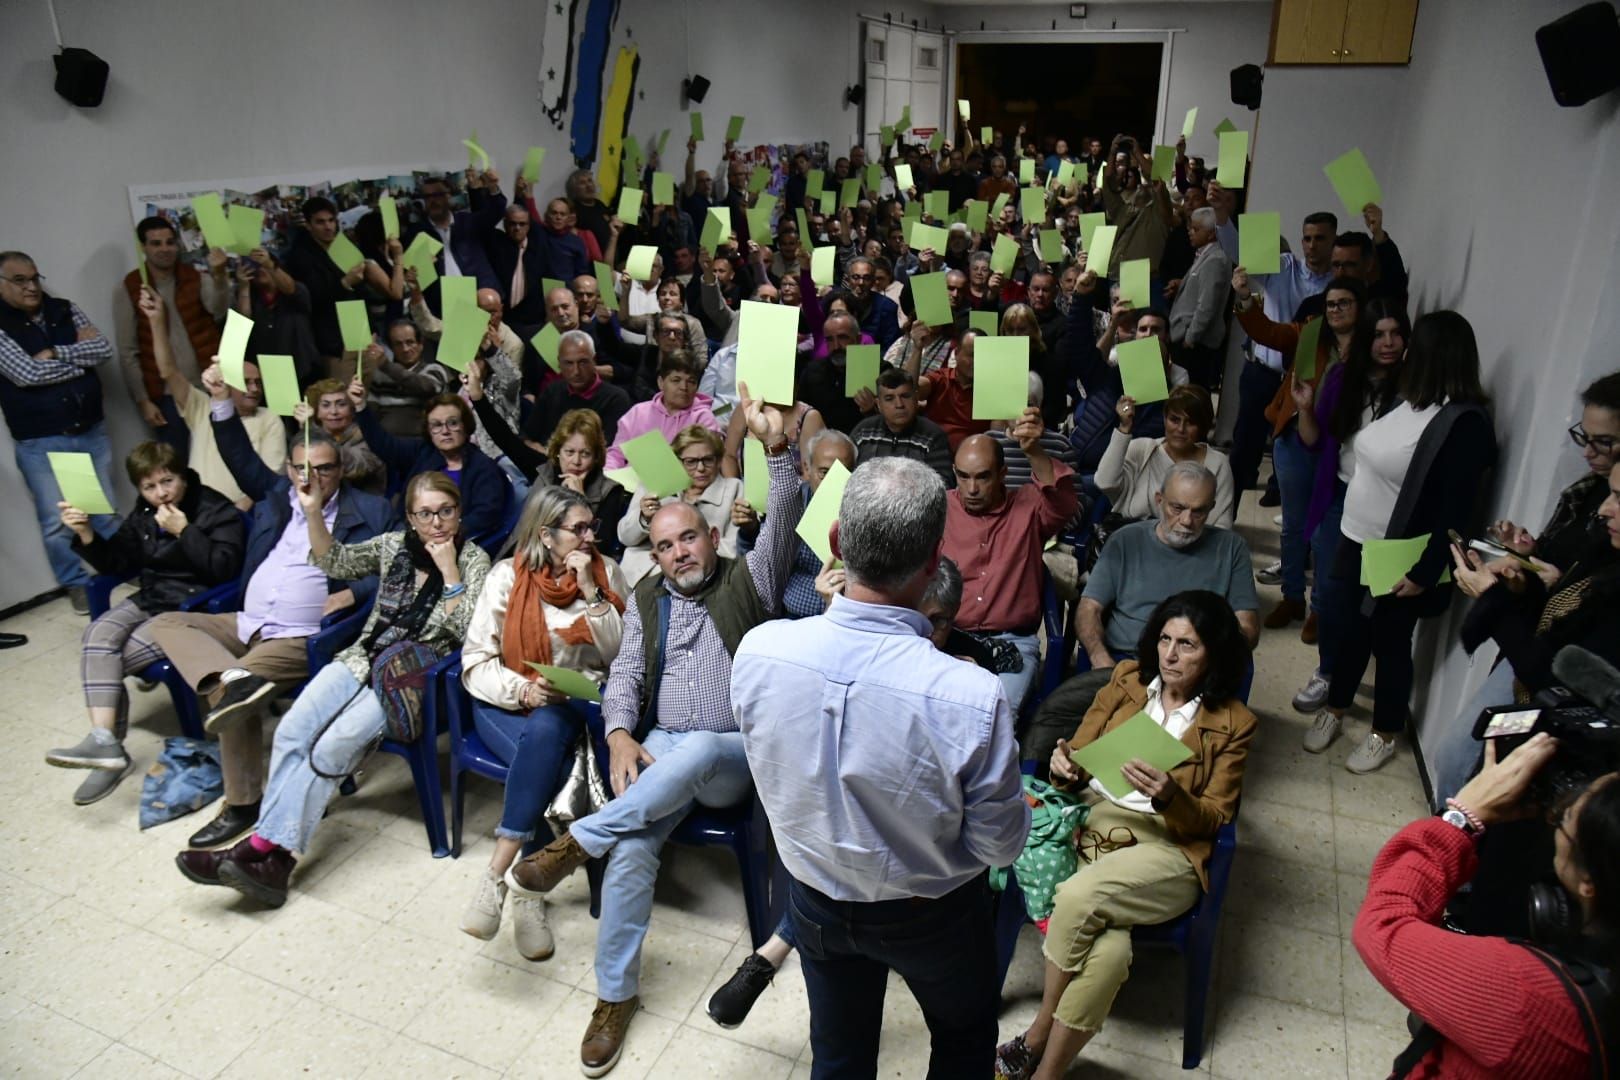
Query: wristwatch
[[1456, 818]]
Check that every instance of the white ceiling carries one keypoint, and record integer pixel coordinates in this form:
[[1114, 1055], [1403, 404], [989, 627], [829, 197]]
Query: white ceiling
[[1095, 3]]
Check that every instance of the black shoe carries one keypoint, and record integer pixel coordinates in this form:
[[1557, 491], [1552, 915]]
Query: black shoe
[[730, 1004], [12, 641], [1270, 497], [237, 698], [231, 823]]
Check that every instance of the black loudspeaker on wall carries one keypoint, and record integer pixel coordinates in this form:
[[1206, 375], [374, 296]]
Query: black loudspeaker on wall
[[1246, 82], [81, 77], [1579, 52], [854, 95], [695, 87]]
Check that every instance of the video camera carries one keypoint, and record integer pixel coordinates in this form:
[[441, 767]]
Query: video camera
[[1583, 714]]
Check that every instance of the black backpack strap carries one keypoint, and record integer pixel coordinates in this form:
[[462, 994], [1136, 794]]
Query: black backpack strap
[[656, 677], [1426, 1039], [1587, 992]]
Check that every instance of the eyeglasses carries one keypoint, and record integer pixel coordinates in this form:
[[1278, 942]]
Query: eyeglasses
[[328, 469], [1094, 845], [707, 461], [1339, 305], [859, 277], [444, 425], [23, 282], [443, 513], [583, 529], [1605, 444]]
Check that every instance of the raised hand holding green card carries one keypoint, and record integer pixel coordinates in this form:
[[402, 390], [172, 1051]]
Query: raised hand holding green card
[[767, 350], [734, 129], [1164, 163], [1234, 161], [76, 478], [210, 215], [1005, 255], [545, 343], [1137, 738], [280, 377], [639, 264], [815, 526], [821, 266], [1101, 251], [354, 324], [1136, 283], [1310, 337], [390, 216], [532, 161], [630, 205], [1000, 377], [1026, 171], [607, 286], [659, 470], [233, 348], [697, 127], [343, 253], [1260, 242], [663, 189], [1352, 178], [861, 364], [1032, 205], [985, 322], [933, 302], [247, 226], [1141, 370]]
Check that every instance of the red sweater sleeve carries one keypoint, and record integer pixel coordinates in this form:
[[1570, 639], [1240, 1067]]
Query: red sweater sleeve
[[1496, 1005]]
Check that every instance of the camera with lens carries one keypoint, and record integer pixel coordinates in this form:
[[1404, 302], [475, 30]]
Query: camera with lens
[[1588, 741]]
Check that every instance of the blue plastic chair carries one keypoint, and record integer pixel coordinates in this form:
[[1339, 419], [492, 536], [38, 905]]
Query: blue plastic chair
[[1059, 641], [492, 539]]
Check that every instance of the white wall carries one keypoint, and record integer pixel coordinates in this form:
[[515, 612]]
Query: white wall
[[204, 89]]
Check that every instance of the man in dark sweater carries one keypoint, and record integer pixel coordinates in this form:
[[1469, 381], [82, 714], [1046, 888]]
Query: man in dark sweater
[[898, 431], [580, 387]]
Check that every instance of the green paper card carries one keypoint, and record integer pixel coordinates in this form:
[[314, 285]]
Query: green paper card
[[986, 136], [861, 364], [886, 135], [734, 129], [767, 349], [999, 205], [1005, 255], [420, 255], [355, 325], [1385, 562], [1000, 377], [548, 284], [757, 179], [76, 477], [390, 216], [632, 157], [233, 348], [814, 181], [532, 161], [625, 477], [659, 470], [1234, 159], [607, 286], [247, 226], [568, 682], [1135, 283], [216, 230], [928, 236], [1353, 179], [937, 205], [458, 290], [829, 203], [464, 327], [663, 189], [759, 224], [816, 525], [697, 126], [935, 141], [850, 194], [1187, 124], [1223, 127], [1088, 229], [1164, 163], [1026, 171], [343, 253], [140, 260], [640, 263], [874, 178], [1310, 337], [716, 228], [1065, 173], [1102, 249], [821, 266], [663, 141], [630, 205], [1051, 246], [911, 214], [804, 228], [1032, 205], [476, 156], [280, 383], [964, 107], [1260, 242], [933, 302], [985, 322], [545, 343], [756, 474], [976, 213], [903, 178], [1138, 737], [1141, 370], [905, 119]]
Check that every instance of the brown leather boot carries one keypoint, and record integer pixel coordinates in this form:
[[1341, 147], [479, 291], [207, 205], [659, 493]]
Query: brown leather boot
[[203, 866], [1287, 611], [604, 1037], [1308, 632], [263, 879], [540, 873]]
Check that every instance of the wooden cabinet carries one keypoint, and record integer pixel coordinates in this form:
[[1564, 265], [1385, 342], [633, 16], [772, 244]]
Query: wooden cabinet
[[1342, 31]]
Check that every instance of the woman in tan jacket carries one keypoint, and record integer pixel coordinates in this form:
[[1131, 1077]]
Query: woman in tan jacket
[[558, 603], [1144, 855]]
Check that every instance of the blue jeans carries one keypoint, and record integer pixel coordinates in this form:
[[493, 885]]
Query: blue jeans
[[1324, 600], [1295, 466], [1018, 684], [688, 767], [1256, 387], [1455, 754], [295, 796], [35, 466], [535, 747], [945, 951]]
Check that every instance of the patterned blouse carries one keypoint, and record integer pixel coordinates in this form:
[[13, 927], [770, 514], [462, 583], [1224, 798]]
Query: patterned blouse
[[444, 630]]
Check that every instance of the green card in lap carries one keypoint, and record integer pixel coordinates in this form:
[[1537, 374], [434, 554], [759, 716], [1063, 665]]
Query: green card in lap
[[1138, 737], [564, 681]]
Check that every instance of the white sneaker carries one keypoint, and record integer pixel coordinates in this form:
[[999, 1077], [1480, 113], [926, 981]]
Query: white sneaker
[[1270, 575], [483, 915], [530, 932], [1324, 729], [1276, 519], [1314, 694], [1371, 754]]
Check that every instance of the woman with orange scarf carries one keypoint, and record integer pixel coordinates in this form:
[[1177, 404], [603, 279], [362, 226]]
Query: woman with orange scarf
[[557, 602]]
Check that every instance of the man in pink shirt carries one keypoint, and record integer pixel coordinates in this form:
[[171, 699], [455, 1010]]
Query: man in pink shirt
[[676, 406], [996, 538]]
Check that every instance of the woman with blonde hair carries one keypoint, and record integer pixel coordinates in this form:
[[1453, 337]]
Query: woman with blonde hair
[[327, 403], [556, 602], [718, 498]]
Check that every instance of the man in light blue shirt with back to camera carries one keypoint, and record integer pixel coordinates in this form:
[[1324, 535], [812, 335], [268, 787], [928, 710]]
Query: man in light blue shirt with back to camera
[[890, 774]]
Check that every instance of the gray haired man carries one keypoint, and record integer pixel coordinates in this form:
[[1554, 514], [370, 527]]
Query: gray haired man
[[1198, 315]]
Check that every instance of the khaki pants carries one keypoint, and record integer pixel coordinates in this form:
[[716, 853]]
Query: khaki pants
[[200, 647], [1090, 931]]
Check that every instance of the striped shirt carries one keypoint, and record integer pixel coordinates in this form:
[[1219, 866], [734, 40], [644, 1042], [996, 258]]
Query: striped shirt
[[66, 362]]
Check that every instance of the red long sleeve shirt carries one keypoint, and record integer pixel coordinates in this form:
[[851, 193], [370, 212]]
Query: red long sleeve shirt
[[999, 553], [1501, 1013]]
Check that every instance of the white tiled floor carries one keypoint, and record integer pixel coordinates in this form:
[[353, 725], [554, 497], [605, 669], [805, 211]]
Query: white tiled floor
[[111, 964]]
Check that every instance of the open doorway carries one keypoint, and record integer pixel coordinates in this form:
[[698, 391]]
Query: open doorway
[[1062, 90]]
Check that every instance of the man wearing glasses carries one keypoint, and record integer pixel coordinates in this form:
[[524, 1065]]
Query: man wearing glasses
[[51, 397], [878, 315], [238, 662]]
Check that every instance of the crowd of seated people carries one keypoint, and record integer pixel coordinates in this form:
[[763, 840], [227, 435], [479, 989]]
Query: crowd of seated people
[[482, 511]]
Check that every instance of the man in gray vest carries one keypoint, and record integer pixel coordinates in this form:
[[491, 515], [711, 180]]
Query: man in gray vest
[[671, 734]]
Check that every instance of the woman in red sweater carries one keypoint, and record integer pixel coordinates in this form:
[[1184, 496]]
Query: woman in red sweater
[[1495, 1007]]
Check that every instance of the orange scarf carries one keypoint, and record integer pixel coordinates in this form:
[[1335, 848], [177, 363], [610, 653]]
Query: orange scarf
[[525, 636]]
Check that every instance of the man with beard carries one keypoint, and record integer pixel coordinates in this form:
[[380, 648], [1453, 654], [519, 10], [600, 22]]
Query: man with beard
[[672, 736], [878, 315], [822, 384], [1143, 564]]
